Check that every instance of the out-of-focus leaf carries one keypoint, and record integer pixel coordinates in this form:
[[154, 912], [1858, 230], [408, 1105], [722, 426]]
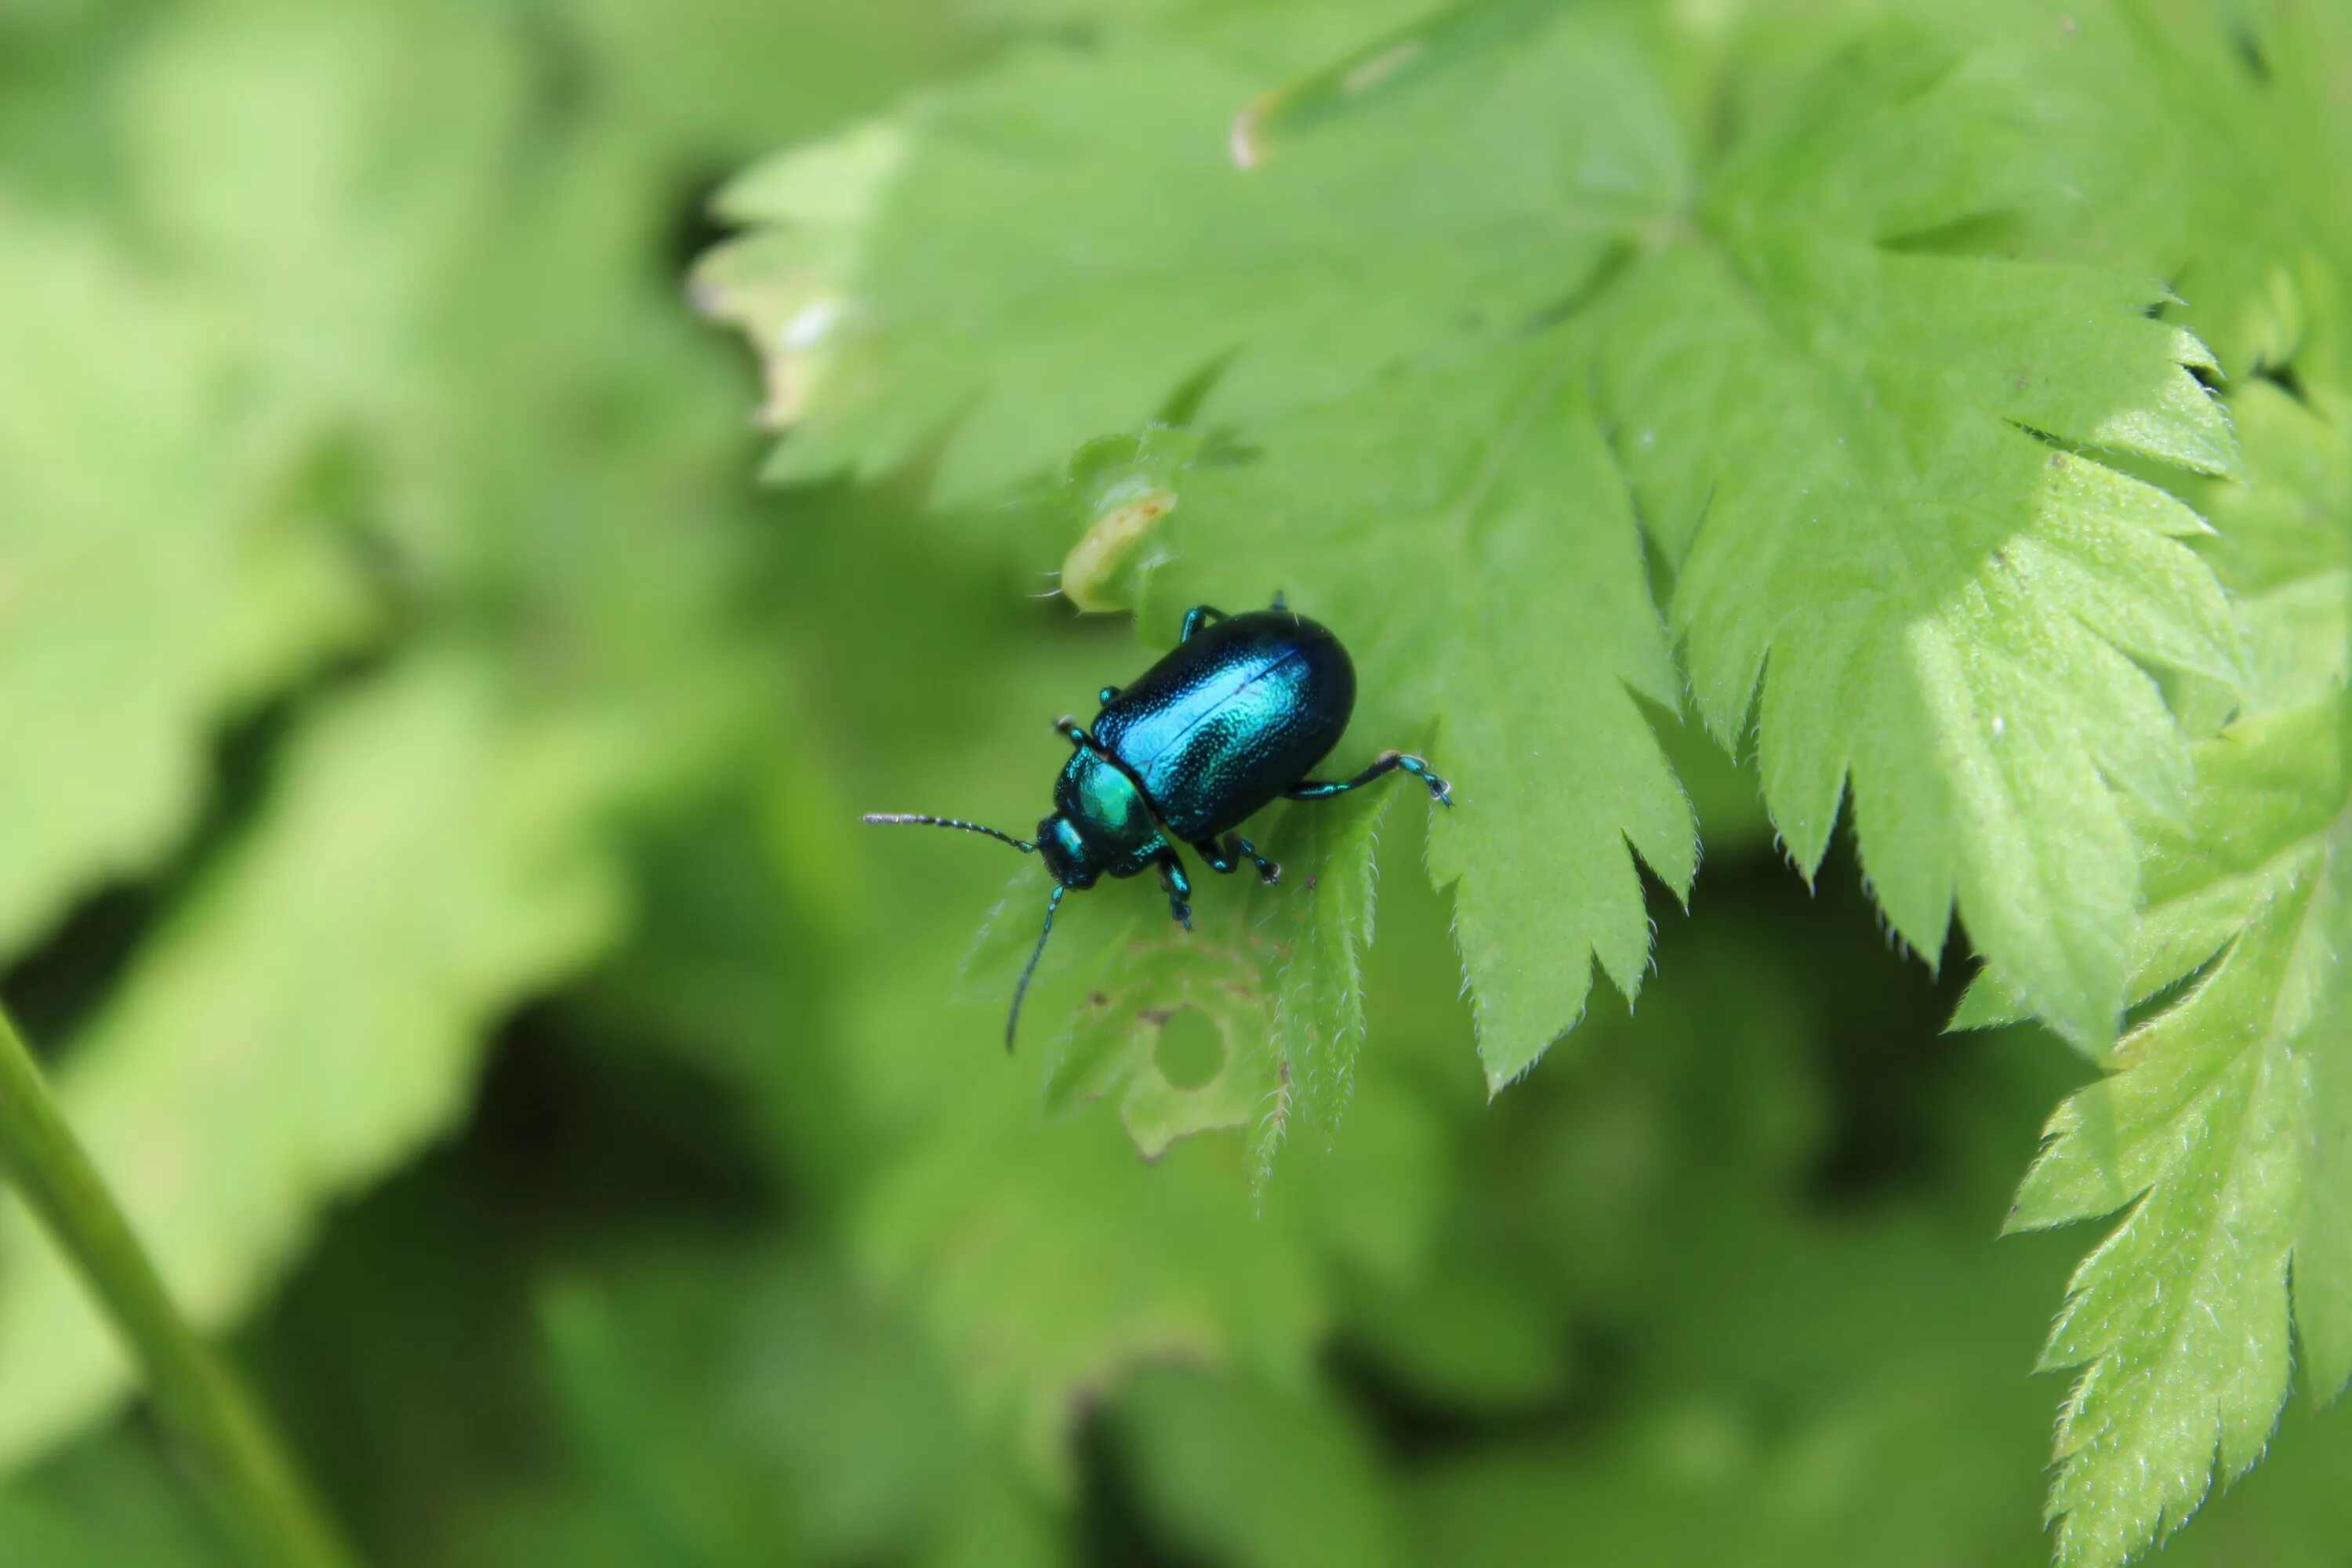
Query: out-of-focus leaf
[[161, 563], [1256, 1480], [314, 1012], [365, 352], [1811, 1394], [1471, 1334], [1048, 1264], [737, 1405], [1901, 1450], [114, 1504], [734, 79], [318, 170]]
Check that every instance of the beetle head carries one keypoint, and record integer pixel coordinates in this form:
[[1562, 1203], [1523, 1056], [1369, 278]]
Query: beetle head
[[1066, 855]]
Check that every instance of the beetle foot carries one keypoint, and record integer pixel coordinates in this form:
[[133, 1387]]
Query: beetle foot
[[1439, 789], [1269, 872]]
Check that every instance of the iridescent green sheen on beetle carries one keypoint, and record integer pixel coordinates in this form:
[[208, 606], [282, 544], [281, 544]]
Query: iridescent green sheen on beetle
[[1230, 720]]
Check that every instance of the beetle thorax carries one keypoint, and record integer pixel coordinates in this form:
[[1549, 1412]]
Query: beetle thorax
[[1110, 818]]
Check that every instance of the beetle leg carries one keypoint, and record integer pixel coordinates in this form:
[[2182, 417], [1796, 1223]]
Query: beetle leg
[[1386, 762], [1226, 854], [1103, 698], [1220, 859], [1178, 885], [1268, 872], [1196, 617]]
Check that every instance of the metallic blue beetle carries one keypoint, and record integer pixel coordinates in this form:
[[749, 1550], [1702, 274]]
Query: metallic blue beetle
[[1229, 722]]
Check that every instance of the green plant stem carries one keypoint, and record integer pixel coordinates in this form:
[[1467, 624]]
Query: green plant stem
[[247, 1475]]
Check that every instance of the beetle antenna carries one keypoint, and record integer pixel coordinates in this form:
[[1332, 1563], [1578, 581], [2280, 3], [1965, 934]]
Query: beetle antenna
[[1012, 1019], [908, 819]]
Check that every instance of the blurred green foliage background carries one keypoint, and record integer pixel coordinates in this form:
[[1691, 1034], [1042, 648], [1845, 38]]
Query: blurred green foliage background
[[428, 858]]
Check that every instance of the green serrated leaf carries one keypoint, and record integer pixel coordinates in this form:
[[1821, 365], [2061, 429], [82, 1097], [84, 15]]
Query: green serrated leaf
[[2323, 1252], [1179, 984], [1916, 598], [2160, 109], [1145, 255], [1433, 520], [2223, 1125], [1915, 568], [786, 284], [1274, 971], [1318, 998], [2180, 1317]]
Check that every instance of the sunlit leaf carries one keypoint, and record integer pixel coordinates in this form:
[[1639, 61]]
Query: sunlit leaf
[[2222, 1129]]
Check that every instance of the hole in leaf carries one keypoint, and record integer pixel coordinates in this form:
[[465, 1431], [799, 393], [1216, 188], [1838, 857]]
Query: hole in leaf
[[1192, 1049]]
